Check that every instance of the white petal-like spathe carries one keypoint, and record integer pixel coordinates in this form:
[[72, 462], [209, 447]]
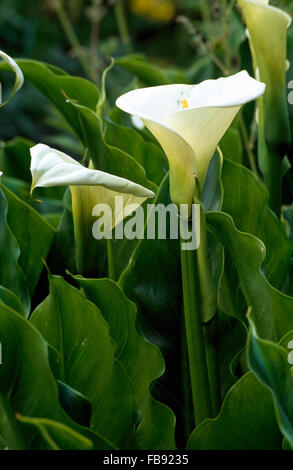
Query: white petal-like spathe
[[50, 167], [19, 79], [197, 116], [153, 105], [267, 26], [265, 3]]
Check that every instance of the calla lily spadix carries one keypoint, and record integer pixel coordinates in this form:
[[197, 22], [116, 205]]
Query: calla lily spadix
[[50, 167], [189, 121]]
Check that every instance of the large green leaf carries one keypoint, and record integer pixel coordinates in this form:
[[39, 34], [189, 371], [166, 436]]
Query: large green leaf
[[142, 360], [149, 155], [33, 234], [62, 253], [11, 275], [51, 83], [77, 330], [148, 73], [269, 361], [50, 201], [8, 298], [272, 310], [28, 388], [246, 200], [15, 158], [56, 435], [246, 421], [231, 144]]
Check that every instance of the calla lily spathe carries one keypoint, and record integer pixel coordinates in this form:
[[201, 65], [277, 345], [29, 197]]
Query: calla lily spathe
[[50, 167], [18, 76], [189, 121], [267, 32]]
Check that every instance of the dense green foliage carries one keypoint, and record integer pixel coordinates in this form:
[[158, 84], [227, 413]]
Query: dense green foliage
[[94, 342]]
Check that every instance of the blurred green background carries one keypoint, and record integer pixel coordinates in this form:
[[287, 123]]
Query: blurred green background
[[202, 38]]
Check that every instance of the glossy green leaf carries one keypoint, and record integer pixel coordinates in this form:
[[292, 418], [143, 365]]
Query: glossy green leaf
[[212, 194], [142, 361], [149, 155], [15, 158], [62, 254], [28, 388], [11, 274], [231, 145], [56, 435], [33, 235], [272, 310], [76, 405], [50, 198], [52, 84], [246, 421], [270, 363], [246, 200], [148, 73], [76, 329], [7, 297]]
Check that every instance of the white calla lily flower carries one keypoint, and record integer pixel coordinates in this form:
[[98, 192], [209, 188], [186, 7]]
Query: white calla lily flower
[[50, 167], [189, 121], [267, 33]]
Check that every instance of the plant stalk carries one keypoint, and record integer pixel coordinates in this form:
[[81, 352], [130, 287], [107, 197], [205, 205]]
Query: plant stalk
[[72, 38], [195, 339], [122, 26], [273, 181], [208, 309], [111, 262]]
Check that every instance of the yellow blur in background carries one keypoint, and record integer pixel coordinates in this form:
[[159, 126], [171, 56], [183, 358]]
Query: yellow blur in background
[[157, 10]]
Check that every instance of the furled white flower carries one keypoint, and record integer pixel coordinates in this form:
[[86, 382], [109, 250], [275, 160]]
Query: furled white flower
[[189, 121], [50, 167], [267, 32]]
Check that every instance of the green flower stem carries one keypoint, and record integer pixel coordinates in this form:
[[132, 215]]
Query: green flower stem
[[271, 163], [122, 26], [274, 182], [225, 20], [111, 261], [208, 307], [195, 339], [205, 11], [247, 144], [210, 335], [72, 38]]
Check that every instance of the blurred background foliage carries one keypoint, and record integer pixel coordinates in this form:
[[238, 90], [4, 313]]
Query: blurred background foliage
[[191, 40]]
